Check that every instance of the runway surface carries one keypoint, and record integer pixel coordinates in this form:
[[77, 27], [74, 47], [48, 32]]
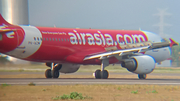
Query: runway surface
[[87, 81], [74, 81]]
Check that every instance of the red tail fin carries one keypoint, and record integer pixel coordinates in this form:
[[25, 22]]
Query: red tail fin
[[3, 21], [172, 42]]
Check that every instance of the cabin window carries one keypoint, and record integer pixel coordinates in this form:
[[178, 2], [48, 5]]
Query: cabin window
[[62, 39], [35, 38], [49, 39], [44, 39], [53, 39], [56, 39], [38, 38], [68, 40]]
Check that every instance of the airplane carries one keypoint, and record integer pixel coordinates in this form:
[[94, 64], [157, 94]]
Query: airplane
[[65, 49]]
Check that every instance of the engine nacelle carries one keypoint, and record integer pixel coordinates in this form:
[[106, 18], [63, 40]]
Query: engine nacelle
[[69, 68], [140, 64], [65, 67]]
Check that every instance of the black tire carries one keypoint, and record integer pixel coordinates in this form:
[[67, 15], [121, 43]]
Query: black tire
[[142, 76], [98, 74], [48, 73], [55, 73], [104, 74]]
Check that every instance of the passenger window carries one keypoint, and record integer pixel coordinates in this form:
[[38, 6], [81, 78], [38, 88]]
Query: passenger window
[[64, 39], [34, 38], [59, 39], [37, 38], [44, 39], [68, 40], [53, 39], [56, 39], [49, 39]]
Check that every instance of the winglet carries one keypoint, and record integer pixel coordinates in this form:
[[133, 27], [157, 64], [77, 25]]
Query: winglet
[[172, 42]]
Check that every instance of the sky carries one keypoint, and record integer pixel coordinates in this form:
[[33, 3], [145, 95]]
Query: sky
[[106, 14]]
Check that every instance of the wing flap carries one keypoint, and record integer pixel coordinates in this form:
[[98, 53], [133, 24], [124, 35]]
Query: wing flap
[[120, 52]]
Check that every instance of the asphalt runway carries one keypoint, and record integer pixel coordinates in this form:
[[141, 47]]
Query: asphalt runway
[[88, 81]]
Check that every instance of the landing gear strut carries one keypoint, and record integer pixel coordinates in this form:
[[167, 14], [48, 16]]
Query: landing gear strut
[[102, 74], [142, 76], [53, 72]]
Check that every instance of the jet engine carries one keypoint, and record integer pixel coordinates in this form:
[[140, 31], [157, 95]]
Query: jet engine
[[139, 64]]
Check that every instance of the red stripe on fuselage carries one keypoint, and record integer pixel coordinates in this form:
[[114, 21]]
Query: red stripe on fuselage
[[72, 45]]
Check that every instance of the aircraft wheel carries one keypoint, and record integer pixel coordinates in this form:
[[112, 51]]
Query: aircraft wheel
[[98, 74], [55, 73], [142, 76], [104, 74], [48, 73]]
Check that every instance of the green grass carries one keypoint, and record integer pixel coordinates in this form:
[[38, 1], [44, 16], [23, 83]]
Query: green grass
[[90, 93], [5, 85], [31, 84], [73, 96], [134, 92]]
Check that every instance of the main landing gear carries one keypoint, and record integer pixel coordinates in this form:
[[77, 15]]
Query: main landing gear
[[102, 74], [54, 71]]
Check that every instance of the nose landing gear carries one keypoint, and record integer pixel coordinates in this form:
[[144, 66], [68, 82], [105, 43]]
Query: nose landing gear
[[54, 71], [48, 73]]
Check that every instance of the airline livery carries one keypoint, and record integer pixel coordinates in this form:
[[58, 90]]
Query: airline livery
[[65, 49]]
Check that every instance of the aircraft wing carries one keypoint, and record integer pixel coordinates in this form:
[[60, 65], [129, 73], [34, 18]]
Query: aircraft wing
[[132, 50]]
